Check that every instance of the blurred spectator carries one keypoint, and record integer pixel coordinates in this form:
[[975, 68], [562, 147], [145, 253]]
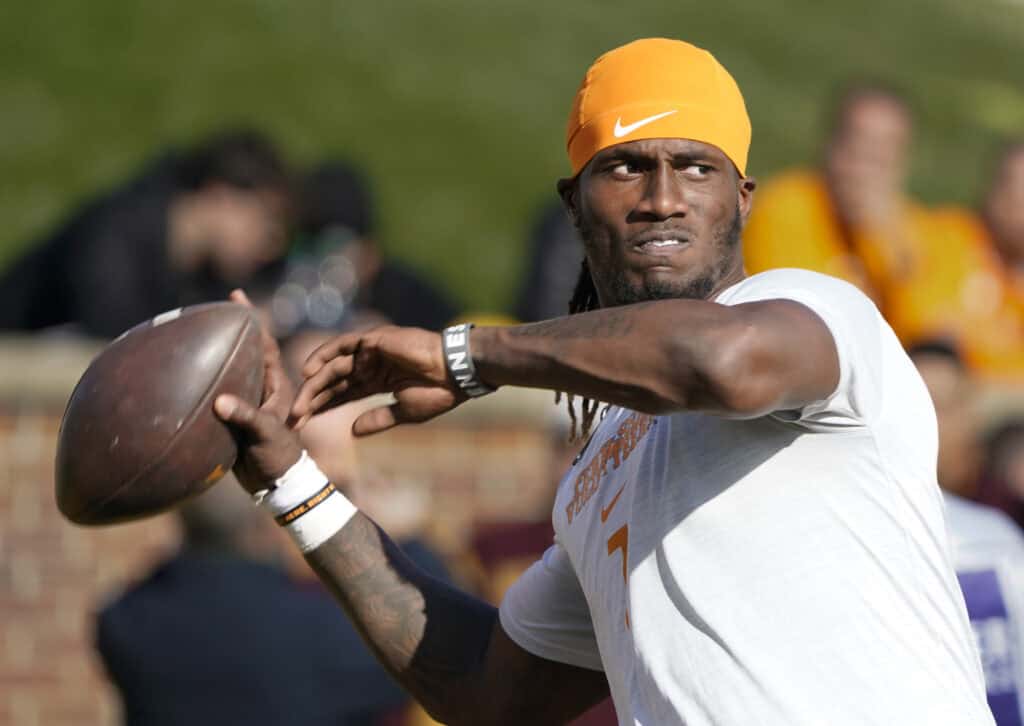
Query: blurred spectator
[[951, 389], [1002, 483], [934, 273], [555, 254], [1004, 211], [341, 268], [187, 229], [219, 634], [987, 548], [852, 218], [974, 287]]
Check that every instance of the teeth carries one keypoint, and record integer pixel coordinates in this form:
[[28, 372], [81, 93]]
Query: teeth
[[662, 243]]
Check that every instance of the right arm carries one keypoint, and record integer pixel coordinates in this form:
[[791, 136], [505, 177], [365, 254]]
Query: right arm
[[445, 647]]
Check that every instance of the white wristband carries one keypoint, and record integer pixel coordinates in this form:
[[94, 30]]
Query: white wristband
[[306, 504]]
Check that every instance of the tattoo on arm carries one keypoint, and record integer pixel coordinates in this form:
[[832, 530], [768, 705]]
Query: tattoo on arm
[[586, 326], [431, 637]]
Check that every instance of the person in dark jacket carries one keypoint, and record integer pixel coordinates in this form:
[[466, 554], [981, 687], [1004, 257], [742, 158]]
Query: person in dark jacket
[[337, 225], [188, 228], [221, 634]]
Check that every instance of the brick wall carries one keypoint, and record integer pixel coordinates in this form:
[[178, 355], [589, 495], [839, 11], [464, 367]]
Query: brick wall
[[51, 577], [490, 462]]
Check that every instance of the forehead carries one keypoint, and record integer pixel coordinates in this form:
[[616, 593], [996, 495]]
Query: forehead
[[875, 110], [662, 148]]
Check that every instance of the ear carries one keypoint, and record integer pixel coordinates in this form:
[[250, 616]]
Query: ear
[[745, 196], [568, 190]]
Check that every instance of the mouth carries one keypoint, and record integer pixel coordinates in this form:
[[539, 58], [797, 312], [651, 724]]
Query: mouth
[[659, 245]]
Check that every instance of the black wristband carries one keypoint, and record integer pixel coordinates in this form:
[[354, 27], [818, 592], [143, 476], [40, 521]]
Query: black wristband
[[459, 361]]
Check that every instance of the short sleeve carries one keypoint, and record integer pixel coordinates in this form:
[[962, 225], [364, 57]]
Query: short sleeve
[[545, 613], [857, 328]]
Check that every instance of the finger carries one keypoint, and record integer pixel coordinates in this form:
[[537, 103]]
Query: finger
[[238, 295], [271, 351], [339, 393], [278, 391], [256, 424], [296, 423], [378, 419], [335, 396], [342, 345], [342, 392], [270, 348], [329, 376], [233, 410]]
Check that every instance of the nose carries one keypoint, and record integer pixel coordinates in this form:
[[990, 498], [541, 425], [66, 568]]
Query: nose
[[664, 196]]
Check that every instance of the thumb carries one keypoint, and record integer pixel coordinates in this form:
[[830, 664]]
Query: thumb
[[235, 411]]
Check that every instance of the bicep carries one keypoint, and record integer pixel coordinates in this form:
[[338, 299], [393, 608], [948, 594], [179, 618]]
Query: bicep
[[520, 687], [781, 356]]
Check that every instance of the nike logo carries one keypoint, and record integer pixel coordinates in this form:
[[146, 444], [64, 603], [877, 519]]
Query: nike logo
[[621, 130], [606, 511]]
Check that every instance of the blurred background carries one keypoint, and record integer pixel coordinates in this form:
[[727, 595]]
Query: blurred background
[[351, 163], [457, 109]]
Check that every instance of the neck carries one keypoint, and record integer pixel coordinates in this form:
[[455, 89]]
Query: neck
[[736, 273]]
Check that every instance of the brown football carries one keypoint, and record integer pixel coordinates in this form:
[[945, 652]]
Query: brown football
[[139, 434]]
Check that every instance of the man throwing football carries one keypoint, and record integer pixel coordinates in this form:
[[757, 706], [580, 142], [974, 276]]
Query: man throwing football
[[753, 533]]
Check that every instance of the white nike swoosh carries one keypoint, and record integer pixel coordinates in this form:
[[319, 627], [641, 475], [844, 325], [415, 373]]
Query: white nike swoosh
[[621, 130]]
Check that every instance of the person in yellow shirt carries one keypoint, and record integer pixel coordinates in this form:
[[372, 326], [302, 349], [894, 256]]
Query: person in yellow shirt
[[943, 273], [852, 218], [971, 285], [1004, 211]]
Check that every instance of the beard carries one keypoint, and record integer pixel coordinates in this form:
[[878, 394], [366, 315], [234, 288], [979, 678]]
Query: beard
[[725, 244]]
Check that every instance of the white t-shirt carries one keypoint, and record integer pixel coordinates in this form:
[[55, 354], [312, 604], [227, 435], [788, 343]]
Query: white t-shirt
[[789, 569], [988, 553]]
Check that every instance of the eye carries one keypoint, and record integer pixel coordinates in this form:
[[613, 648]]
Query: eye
[[623, 169], [698, 170]]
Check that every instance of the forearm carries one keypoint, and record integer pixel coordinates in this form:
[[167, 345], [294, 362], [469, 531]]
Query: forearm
[[654, 357], [430, 636]]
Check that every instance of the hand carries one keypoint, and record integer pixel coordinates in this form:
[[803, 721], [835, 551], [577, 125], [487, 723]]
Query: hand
[[267, 447], [407, 362]]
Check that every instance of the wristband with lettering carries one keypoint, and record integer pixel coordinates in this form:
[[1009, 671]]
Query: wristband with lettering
[[306, 504], [459, 360]]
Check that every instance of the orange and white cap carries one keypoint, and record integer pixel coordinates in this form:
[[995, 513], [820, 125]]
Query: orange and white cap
[[657, 88]]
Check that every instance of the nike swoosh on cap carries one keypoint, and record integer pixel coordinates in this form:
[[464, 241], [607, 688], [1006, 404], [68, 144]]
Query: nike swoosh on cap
[[619, 131]]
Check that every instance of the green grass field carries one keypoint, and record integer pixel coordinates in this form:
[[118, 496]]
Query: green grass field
[[457, 107]]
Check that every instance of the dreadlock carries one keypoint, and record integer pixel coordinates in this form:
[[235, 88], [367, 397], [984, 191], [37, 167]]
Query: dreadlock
[[584, 299]]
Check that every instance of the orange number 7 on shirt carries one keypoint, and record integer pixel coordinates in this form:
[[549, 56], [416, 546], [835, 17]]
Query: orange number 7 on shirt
[[620, 541]]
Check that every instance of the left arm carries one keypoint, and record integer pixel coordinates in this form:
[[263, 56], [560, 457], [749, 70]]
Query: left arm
[[671, 355], [656, 357]]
